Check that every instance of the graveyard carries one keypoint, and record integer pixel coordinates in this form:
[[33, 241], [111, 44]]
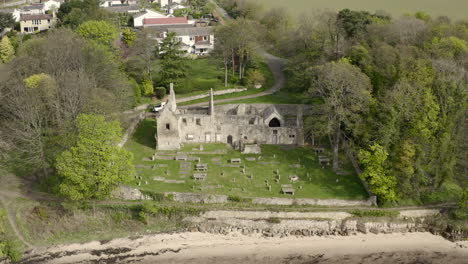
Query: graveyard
[[279, 171]]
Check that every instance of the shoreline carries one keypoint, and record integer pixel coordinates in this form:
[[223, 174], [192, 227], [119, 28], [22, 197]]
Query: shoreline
[[196, 247]]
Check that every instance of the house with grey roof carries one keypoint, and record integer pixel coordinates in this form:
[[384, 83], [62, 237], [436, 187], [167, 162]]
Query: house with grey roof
[[194, 40]]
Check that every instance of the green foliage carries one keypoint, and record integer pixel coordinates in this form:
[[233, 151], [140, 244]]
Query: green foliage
[[160, 92], [147, 88], [238, 199], [375, 213], [354, 22], [274, 220], [6, 20], [182, 12], [173, 64], [253, 78], [376, 175], [142, 211], [136, 91], [95, 165], [73, 13], [7, 51], [128, 36], [101, 32]]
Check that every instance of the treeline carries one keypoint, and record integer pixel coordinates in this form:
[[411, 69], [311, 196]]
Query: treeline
[[393, 90], [61, 95]]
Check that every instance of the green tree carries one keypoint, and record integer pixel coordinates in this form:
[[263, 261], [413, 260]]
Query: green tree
[[254, 77], [173, 64], [101, 32], [345, 91], [95, 165], [354, 22], [6, 50], [375, 174], [128, 36], [147, 88], [6, 20]]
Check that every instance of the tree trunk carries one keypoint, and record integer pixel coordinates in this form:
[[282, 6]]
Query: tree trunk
[[225, 72], [336, 146], [233, 63]]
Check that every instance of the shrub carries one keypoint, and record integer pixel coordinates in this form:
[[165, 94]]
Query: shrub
[[160, 92], [136, 91], [274, 220], [253, 78], [238, 199], [147, 88], [374, 213], [150, 209], [10, 250]]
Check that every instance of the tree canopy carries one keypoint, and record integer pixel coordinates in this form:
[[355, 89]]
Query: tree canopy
[[95, 165]]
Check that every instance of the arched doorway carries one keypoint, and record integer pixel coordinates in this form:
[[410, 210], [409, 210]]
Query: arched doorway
[[229, 140], [274, 122]]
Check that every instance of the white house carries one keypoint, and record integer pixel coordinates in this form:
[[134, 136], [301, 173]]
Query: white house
[[50, 5], [33, 23], [164, 3], [169, 9], [108, 3], [194, 40], [147, 14]]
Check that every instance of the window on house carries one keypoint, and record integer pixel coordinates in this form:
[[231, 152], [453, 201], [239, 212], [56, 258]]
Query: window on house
[[292, 136], [192, 38], [184, 120], [198, 122], [252, 121], [205, 37], [168, 126]]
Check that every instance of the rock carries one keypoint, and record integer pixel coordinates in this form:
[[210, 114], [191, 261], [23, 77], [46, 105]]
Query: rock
[[129, 193]]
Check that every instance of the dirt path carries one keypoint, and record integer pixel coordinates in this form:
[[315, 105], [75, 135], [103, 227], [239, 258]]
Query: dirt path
[[13, 224]]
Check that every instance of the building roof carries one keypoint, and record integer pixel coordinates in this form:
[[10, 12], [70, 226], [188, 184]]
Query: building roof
[[149, 12], [165, 21], [33, 7], [192, 31], [122, 8], [36, 17]]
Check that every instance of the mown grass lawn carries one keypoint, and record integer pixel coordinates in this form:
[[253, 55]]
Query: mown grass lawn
[[269, 81], [314, 181]]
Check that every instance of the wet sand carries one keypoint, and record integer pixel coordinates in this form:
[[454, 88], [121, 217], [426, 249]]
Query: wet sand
[[236, 248]]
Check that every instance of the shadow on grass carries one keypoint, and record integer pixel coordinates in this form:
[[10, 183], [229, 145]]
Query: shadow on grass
[[144, 133]]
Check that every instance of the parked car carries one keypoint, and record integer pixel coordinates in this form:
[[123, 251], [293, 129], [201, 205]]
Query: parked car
[[158, 107]]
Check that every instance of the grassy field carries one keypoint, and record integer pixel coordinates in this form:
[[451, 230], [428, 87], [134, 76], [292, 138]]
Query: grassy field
[[268, 83], [202, 75], [456, 9], [314, 181]]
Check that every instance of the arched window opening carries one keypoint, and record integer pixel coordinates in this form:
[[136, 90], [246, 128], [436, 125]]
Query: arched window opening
[[274, 123]]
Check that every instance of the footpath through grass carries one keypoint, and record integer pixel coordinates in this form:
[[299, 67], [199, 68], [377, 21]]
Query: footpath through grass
[[226, 178]]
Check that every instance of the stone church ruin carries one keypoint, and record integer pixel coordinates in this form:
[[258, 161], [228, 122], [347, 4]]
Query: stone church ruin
[[242, 126]]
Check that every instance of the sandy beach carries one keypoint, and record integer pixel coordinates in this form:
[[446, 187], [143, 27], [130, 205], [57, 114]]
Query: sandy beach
[[200, 248]]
